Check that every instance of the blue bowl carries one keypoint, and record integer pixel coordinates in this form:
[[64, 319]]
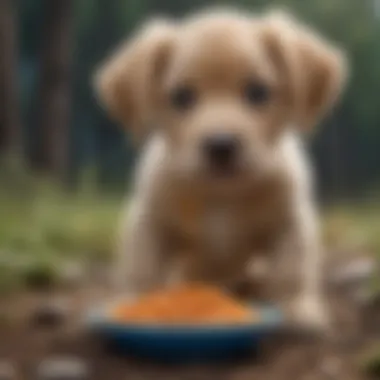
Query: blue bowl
[[184, 343]]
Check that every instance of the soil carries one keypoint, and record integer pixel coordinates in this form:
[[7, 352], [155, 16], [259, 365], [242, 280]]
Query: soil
[[287, 356]]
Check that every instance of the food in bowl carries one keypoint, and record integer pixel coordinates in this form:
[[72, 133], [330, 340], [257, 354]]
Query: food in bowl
[[187, 304]]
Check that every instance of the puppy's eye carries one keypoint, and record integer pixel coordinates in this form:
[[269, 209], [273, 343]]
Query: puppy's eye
[[183, 98], [256, 93]]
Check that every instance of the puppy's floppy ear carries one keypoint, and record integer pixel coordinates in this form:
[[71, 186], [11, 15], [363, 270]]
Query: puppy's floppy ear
[[127, 84], [313, 70]]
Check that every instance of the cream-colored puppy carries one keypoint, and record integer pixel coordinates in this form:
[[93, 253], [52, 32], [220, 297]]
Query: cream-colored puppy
[[223, 179]]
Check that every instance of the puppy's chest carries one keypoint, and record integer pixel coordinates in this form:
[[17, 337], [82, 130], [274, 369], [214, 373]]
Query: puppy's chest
[[225, 228], [218, 230]]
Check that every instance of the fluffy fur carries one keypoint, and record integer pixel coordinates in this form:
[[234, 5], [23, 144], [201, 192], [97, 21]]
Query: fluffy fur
[[185, 222]]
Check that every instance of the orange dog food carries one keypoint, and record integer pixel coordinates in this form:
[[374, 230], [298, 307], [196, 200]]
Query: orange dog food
[[186, 304]]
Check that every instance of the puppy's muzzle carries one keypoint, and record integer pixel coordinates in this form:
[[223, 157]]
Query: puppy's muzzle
[[221, 151]]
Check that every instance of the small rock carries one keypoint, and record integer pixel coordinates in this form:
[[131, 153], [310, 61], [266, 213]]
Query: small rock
[[62, 368], [7, 371], [355, 272], [50, 314]]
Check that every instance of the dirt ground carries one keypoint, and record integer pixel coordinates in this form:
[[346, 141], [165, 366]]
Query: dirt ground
[[287, 356]]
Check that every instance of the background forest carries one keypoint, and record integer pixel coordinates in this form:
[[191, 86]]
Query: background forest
[[63, 164]]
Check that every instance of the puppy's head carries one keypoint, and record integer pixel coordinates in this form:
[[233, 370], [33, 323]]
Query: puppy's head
[[223, 87]]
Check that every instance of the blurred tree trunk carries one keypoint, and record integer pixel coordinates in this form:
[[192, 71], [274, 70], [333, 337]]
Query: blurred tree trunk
[[107, 32], [10, 118], [54, 92]]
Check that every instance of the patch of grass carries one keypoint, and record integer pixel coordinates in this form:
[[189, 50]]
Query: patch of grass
[[356, 225], [40, 224], [357, 228], [60, 223]]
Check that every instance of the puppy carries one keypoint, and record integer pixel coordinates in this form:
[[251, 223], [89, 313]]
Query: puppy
[[223, 179]]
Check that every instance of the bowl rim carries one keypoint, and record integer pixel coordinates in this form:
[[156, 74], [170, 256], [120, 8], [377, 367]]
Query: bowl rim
[[98, 317]]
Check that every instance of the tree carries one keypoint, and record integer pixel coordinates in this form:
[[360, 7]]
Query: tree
[[108, 140], [53, 108], [10, 123]]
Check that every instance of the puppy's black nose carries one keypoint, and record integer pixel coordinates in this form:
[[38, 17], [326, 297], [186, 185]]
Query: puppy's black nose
[[221, 149]]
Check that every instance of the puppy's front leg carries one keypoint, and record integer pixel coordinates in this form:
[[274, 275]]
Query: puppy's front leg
[[308, 305], [251, 283], [140, 262]]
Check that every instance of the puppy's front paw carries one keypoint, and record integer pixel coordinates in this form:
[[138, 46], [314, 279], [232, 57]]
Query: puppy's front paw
[[309, 312]]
